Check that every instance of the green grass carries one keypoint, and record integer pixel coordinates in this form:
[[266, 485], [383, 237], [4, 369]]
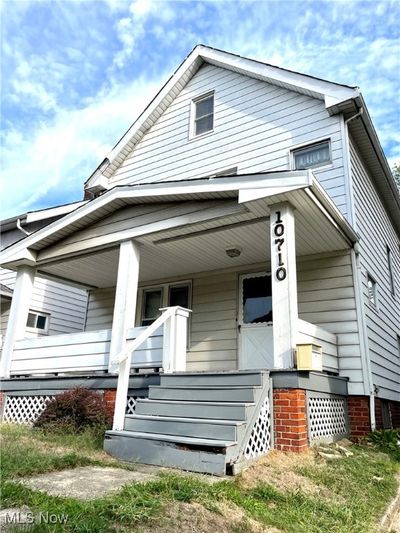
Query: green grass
[[361, 486]]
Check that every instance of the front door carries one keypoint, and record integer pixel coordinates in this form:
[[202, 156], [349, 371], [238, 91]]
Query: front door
[[256, 349]]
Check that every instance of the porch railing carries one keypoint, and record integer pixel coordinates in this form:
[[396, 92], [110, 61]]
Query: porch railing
[[174, 320], [79, 352]]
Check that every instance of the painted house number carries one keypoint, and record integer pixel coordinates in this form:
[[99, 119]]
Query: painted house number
[[279, 233]]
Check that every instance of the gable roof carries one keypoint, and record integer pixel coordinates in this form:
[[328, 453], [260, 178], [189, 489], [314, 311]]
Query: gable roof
[[331, 93]]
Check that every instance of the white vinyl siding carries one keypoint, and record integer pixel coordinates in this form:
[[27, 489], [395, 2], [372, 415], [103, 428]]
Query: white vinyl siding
[[326, 298], [256, 126], [382, 321], [65, 305]]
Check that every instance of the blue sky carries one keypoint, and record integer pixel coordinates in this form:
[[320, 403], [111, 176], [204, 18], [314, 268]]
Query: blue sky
[[75, 74]]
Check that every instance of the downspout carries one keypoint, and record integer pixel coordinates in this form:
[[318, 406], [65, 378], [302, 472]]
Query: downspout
[[357, 274], [362, 326], [21, 228], [360, 112]]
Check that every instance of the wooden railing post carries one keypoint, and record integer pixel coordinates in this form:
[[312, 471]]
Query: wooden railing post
[[175, 341]]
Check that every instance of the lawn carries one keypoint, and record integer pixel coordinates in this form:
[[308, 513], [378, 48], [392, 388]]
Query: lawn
[[284, 492]]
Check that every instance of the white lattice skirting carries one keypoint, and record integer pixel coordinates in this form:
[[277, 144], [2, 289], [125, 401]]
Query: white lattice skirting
[[131, 405], [26, 409], [260, 439], [327, 418]]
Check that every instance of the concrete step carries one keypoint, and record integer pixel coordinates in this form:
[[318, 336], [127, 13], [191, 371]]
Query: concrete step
[[213, 410], [244, 378], [206, 394], [226, 430], [195, 455]]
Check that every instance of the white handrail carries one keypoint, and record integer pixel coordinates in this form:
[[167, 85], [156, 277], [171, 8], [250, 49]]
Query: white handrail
[[134, 344], [174, 354]]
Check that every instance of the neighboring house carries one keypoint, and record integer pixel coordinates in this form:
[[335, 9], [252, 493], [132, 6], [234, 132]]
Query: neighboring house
[[55, 308], [243, 237]]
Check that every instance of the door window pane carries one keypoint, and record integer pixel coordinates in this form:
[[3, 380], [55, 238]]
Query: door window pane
[[257, 300], [179, 296], [152, 301]]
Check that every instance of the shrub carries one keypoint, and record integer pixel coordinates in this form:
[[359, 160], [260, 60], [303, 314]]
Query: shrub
[[387, 439], [75, 410]]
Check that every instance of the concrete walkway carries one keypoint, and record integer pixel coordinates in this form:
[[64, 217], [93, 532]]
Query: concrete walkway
[[91, 482], [88, 482]]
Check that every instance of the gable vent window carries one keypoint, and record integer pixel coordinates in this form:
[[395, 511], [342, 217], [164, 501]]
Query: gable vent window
[[312, 156], [203, 113], [371, 284], [389, 261], [38, 322]]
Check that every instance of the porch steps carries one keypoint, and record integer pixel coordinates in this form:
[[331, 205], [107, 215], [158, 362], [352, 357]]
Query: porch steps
[[195, 421], [214, 410], [217, 393]]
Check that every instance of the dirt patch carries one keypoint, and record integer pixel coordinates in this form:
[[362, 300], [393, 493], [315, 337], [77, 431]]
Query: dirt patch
[[279, 470], [181, 517]]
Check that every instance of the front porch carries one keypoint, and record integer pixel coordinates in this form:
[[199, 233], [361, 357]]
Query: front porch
[[240, 270]]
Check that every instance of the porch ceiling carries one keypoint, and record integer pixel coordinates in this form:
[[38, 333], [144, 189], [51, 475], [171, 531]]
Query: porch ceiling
[[201, 246]]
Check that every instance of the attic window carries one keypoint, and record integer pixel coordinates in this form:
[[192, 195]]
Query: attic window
[[203, 115], [312, 156]]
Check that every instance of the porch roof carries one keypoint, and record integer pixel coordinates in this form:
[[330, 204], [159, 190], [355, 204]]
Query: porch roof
[[199, 219]]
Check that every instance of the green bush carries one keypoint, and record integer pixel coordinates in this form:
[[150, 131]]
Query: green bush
[[75, 410], [387, 439]]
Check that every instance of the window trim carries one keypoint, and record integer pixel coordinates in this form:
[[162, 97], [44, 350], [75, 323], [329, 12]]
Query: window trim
[[165, 287], [164, 296], [193, 103], [43, 331], [303, 146]]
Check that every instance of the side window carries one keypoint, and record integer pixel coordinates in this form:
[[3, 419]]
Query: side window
[[166, 295], [372, 291], [38, 322], [312, 156], [202, 115], [390, 268]]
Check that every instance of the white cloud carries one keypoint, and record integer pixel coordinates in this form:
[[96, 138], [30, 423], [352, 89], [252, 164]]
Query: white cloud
[[87, 108], [61, 155]]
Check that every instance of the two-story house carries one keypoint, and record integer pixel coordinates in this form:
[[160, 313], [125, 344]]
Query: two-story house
[[240, 246]]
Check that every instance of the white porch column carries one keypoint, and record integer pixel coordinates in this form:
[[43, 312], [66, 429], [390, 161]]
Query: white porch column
[[18, 316], [284, 284], [125, 298]]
